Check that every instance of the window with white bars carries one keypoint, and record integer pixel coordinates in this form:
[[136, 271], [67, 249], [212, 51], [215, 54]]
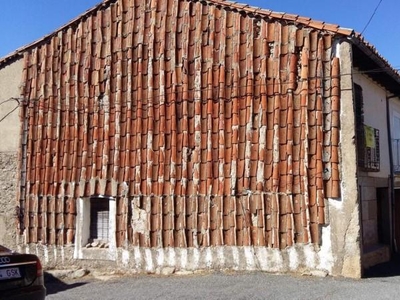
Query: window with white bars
[[96, 228], [99, 219]]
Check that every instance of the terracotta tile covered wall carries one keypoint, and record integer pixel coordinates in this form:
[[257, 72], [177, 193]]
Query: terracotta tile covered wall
[[220, 126]]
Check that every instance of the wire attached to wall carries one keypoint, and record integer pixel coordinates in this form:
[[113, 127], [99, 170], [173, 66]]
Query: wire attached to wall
[[11, 111], [297, 92]]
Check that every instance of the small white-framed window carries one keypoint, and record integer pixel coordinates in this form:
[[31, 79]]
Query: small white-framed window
[[95, 228]]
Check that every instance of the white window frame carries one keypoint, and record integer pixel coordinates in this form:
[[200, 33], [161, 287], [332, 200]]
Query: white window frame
[[82, 234]]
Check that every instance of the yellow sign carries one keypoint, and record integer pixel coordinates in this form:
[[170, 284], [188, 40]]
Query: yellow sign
[[369, 134]]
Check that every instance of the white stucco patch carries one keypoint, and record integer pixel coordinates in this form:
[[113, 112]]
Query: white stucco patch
[[220, 256], [149, 260], [250, 257], [293, 259], [275, 261], [160, 257], [326, 259], [310, 256], [171, 257], [137, 257], [262, 255], [209, 258], [125, 257], [336, 204], [196, 258], [183, 257], [45, 256], [298, 258], [235, 256]]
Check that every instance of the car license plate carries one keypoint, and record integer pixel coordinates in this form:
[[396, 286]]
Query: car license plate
[[9, 273]]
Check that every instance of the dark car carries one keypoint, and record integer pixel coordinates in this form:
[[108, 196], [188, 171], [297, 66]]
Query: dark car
[[21, 276]]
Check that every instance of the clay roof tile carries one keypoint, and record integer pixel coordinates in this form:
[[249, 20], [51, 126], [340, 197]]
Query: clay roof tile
[[317, 24], [331, 27], [290, 17]]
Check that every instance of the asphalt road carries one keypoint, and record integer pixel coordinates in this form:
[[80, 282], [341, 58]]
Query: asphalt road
[[256, 285]]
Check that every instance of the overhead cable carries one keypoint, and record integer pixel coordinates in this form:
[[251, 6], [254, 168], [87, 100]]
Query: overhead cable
[[372, 16]]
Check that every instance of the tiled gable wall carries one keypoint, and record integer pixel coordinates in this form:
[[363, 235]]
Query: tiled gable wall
[[222, 127]]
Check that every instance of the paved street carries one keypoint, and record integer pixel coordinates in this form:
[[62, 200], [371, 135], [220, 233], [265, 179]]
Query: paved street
[[231, 285]]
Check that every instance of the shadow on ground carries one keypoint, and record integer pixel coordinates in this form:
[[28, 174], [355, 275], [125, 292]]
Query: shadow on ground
[[387, 269], [55, 285]]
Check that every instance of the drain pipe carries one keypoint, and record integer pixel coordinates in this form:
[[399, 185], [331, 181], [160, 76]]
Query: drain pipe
[[391, 177]]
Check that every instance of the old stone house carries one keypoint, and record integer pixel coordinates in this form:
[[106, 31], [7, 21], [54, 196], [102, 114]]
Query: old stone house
[[199, 135]]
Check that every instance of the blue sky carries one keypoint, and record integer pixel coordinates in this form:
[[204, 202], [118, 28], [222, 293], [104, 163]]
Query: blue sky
[[24, 21]]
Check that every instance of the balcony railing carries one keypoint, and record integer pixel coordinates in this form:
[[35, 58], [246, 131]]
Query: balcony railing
[[368, 149]]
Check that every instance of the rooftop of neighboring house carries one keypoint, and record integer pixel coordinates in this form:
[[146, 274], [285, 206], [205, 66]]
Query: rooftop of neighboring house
[[366, 56]]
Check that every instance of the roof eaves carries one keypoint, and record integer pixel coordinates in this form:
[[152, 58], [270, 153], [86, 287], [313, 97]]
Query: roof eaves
[[371, 52]]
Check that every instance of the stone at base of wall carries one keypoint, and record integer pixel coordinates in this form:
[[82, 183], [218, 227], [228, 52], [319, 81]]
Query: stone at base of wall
[[7, 231], [374, 255], [3, 230]]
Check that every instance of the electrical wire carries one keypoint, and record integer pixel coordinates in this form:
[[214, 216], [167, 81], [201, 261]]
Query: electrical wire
[[10, 112], [11, 99], [372, 16], [146, 105], [64, 106]]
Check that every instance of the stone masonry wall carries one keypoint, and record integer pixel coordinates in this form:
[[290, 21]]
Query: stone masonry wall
[[8, 180], [10, 79]]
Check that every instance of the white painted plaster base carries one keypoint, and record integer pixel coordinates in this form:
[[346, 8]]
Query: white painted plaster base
[[298, 259]]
